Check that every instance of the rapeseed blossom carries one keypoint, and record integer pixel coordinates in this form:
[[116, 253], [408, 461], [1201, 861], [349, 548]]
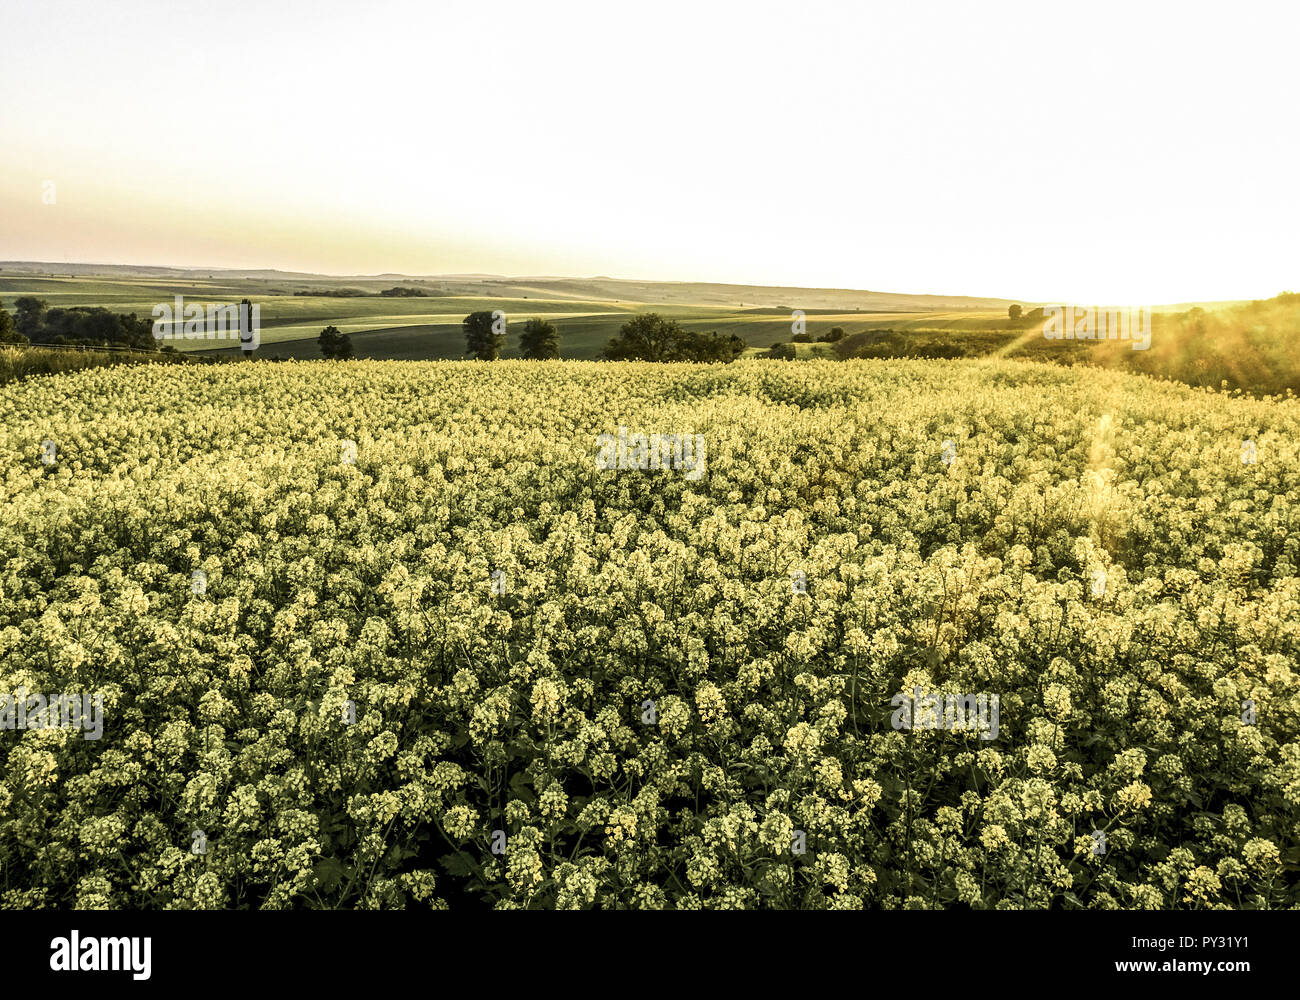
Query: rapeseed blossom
[[648, 711]]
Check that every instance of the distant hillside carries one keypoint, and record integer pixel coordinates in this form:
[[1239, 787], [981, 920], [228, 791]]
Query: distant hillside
[[138, 270], [584, 289]]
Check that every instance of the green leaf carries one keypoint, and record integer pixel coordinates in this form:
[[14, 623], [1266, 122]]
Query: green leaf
[[457, 864], [328, 873]]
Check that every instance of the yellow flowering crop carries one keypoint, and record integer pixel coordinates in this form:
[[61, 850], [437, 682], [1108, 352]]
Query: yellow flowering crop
[[386, 634]]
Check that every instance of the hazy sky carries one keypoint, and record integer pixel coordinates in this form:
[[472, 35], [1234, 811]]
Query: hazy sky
[[1109, 152]]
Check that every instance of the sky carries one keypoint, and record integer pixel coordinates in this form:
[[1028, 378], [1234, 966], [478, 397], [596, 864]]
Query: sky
[[1135, 152]]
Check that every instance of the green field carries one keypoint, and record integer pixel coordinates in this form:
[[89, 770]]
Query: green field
[[586, 312], [1245, 345]]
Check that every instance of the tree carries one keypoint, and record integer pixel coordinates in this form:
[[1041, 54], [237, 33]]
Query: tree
[[832, 335], [709, 347], [539, 341], [335, 345], [29, 315], [1014, 312], [782, 352], [485, 334], [651, 337], [8, 332], [90, 326], [646, 337]]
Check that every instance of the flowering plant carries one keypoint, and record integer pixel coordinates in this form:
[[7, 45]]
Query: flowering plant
[[467, 666]]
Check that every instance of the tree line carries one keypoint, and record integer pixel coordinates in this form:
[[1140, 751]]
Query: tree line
[[34, 322], [644, 337]]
